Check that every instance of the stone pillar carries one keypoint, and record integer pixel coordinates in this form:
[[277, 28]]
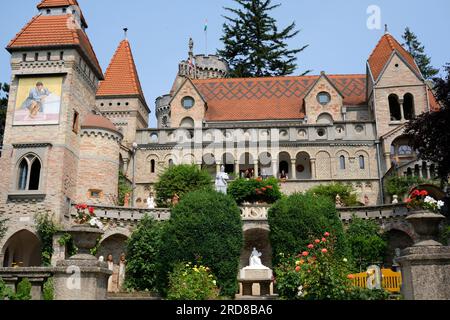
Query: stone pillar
[[429, 172], [275, 167], [402, 112], [237, 169], [420, 172], [313, 169], [256, 163], [293, 169]]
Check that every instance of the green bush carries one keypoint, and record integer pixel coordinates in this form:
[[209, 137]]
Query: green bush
[[46, 229], [5, 292], [255, 190], [181, 180], [205, 228], [23, 290], [188, 282], [294, 220], [400, 186], [124, 187], [366, 243], [142, 255], [49, 290], [346, 192]]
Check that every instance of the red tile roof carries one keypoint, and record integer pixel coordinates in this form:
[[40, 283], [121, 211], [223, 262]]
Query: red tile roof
[[383, 51], [61, 3], [277, 98], [121, 77], [55, 31], [434, 104], [99, 122]]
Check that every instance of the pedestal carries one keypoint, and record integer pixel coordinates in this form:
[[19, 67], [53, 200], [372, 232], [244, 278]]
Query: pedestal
[[426, 273], [81, 280], [260, 276]]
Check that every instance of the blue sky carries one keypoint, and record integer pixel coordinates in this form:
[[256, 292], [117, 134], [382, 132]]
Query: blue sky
[[336, 31]]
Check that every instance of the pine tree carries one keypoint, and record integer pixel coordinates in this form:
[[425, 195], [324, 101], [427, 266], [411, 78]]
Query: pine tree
[[417, 50], [254, 46]]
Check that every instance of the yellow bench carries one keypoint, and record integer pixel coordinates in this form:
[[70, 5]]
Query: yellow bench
[[392, 281]]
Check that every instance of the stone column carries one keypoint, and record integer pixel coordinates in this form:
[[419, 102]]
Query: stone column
[[256, 163], [293, 169], [402, 112], [237, 169], [420, 172], [275, 167], [313, 169], [429, 172]]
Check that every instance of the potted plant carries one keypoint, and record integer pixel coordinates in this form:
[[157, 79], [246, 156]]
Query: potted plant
[[425, 217]]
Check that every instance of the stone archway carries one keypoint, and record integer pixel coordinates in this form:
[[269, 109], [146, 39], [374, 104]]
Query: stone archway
[[396, 239], [114, 244], [256, 238], [22, 249]]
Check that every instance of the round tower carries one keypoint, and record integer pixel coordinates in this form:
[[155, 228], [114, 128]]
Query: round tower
[[163, 111], [98, 170]]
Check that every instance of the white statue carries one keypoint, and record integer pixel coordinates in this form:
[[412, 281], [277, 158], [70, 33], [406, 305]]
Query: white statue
[[222, 181], [122, 270], [151, 201], [255, 259], [101, 259], [395, 201]]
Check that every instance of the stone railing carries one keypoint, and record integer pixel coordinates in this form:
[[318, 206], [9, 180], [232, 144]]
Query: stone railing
[[38, 276], [126, 214], [383, 212]]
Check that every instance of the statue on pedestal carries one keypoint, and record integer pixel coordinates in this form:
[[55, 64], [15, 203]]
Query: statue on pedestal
[[255, 259], [339, 203], [151, 201], [222, 181]]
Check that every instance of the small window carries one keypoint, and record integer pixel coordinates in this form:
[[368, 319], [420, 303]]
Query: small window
[[362, 162], [61, 55], [321, 132], [171, 163], [324, 98], [127, 104], [188, 102], [29, 174], [110, 104], [24, 57], [118, 104], [95, 194], [49, 56], [48, 11], [36, 56], [102, 104], [152, 166], [404, 150], [75, 123], [64, 10], [342, 163]]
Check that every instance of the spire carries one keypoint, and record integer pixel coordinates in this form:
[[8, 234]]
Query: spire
[[121, 77], [386, 30], [125, 30]]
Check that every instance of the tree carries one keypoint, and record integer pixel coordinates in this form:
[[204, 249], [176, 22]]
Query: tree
[[254, 46], [142, 255], [180, 180], [295, 220], [429, 133], [4, 95], [366, 244], [346, 193], [205, 229], [417, 50], [46, 229]]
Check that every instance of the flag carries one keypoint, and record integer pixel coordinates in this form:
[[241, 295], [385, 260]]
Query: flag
[[206, 25]]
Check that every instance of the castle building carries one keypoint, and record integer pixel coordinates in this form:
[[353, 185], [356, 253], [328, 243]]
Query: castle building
[[70, 129]]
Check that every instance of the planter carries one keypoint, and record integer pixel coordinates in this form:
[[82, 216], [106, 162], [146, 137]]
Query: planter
[[426, 225], [84, 238]]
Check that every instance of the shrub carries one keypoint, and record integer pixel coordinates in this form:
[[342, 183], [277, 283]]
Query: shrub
[[318, 273], [366, 243], [346, 192], [49, 290], [23, 290], [294, 220], [124, 187], [205, 228], [181, 180], [188, 282], [5, 292], [46, 229], [255, 190], [142, 255], [400, 186]]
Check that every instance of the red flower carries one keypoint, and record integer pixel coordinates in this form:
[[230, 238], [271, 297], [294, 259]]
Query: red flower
[[91, 211], [269, 187], [324, 240], [324, 251], [327, 234], [351, 277], [264, 189], [408, 200], [317, 241], [297, 269], [84, 206], [305, 254], [311, 246], [424, 193], [416, 193]]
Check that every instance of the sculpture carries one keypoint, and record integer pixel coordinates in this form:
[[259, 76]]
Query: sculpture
[[339, 203], [110, 262], [151, 201], [122, 269], [395, 201], [255, 259], [222, 181]]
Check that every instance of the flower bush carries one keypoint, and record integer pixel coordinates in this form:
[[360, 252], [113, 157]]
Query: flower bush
[[317, 273], [86, 215], [420, 200], [255, 190], [192, 282]]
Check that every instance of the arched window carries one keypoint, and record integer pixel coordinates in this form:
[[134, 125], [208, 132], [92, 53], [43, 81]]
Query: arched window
[[29, 173], [171, 163], [152, 166], [404, 150], [362, 162], [342, 164], [408, 106], [394, 108], [187, 123]]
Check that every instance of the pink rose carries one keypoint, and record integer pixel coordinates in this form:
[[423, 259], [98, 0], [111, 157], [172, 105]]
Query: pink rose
[[311, 246]]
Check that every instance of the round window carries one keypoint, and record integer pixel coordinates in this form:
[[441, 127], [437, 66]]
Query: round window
[[321, 132], [324, 98], [188, 102]]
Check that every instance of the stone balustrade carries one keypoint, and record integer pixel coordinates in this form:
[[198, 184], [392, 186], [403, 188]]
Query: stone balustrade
[[383, 212]]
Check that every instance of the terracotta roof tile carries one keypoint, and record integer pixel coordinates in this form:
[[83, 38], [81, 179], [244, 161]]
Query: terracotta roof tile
[[97, 121], [275, 98], [383, 51], [55, 31], [121, 77], [434, 104]]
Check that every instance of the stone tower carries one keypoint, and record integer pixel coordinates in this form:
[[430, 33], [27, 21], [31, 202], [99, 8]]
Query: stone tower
[[195, 67]]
